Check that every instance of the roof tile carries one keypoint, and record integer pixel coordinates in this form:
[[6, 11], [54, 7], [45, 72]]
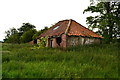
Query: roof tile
[[74, 29]]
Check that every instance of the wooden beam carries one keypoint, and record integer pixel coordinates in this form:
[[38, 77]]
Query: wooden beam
[[66, 31]]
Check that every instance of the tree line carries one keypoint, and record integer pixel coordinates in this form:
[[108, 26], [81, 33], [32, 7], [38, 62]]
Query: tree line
[[24, 34]]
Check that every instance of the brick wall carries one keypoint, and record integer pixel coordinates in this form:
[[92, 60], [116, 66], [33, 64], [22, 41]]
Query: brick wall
[[74, 41], [54, 43], [68, 41], [64, 41]]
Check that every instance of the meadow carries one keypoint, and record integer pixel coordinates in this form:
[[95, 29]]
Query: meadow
[[88, 61]]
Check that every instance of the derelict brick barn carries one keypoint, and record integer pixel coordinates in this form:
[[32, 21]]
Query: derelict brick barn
[[68, 33]]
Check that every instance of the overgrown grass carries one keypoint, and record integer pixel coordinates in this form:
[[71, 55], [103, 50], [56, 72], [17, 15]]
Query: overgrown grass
[[88, 61]]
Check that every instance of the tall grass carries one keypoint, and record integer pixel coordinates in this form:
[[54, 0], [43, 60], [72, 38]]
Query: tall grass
[[88, 61]]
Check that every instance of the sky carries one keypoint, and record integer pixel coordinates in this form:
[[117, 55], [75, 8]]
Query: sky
[[40, 13]]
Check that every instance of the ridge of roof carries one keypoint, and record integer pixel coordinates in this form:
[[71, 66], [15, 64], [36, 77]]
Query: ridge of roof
[[68, 26], [65, 26]]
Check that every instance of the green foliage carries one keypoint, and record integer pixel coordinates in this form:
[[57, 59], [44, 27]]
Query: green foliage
[[87, 61], [107, 19], [43, 41], [24, 34], [26, 31], [14, 39], [26, 27], [27, 36], [10, 32], [40, 32], [36, 34], [12, 36]]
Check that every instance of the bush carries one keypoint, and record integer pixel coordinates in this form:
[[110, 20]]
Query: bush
[[27, 36], [15, 38]]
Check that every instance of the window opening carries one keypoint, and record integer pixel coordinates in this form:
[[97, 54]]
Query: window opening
[[56, 27]]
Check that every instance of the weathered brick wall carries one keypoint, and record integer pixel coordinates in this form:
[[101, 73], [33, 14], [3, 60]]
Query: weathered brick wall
[[89, 40], [47, 43], [54, 43], [68, 41], [51, 42], [74, 41], [64, 41], [97, 41]]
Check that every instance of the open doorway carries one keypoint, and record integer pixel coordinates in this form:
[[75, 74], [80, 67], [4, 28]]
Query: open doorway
[[51, 43], [58, 40], [35, 41]]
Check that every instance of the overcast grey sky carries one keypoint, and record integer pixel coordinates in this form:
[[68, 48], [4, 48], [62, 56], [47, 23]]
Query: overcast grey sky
[[40, 13]]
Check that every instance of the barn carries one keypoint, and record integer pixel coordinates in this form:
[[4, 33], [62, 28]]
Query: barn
[[67, 33]]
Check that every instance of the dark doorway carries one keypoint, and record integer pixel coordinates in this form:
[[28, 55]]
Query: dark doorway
[[58, 40], [35, 41], [51, 43]]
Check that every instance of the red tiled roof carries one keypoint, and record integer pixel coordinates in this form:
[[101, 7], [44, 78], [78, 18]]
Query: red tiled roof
[[60, 30], [70, 27]]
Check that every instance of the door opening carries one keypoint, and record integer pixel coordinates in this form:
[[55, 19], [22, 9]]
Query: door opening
[[51, 43], [35, 41], [58, 40]]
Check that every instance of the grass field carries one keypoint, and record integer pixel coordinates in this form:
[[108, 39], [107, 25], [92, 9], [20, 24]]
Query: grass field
[[88, 61]]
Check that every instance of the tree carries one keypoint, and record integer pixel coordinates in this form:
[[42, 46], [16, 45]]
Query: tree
[[27, 36], [26, 27], [40, 32], [7, 34], [12, 36], [24, 34], [11, 32], [107, 21], [15, 38]]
